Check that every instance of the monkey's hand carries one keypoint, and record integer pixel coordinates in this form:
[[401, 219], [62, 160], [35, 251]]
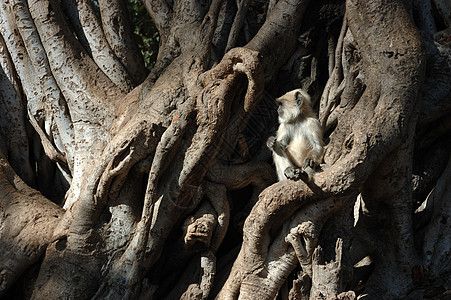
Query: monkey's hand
[[270, 142], [276, 146], [294, 173]]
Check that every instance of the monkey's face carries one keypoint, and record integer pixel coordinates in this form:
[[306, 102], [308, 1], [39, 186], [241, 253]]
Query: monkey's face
[[288, 111], [292, 105]]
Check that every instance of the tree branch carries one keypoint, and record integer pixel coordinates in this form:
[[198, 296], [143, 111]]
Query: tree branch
[[100, 49], [437, 238], [326, 280], [161, 14], [120, 37], [266, 262], [55, 108], [283, 21], [443, 8], [423, 16], [72, 69], [90, 95], [243, 6], [202, 24], [13, 134], [352, 91], [217, 195], [335, 85], [27, 223], [436, 95], [22, 63]]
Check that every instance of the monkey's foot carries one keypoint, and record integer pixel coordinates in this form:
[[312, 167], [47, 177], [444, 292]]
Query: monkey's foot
[[308, 163], [296, 174]]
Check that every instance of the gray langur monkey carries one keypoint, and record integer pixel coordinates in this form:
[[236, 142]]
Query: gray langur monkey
[[298, 145]]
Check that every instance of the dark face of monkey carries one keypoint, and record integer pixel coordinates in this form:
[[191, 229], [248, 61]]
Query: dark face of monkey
[[280, 109]]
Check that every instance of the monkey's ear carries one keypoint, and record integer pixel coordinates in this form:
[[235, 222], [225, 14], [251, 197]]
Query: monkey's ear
[[298, 98]]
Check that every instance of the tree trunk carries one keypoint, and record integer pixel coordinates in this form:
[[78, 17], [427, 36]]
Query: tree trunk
[[118, 185]]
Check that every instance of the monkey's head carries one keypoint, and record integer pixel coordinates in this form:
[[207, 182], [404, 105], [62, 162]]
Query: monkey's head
[[293, 105]]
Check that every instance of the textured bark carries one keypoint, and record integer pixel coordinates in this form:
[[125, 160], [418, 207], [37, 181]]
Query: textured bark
[[82, 15], [27, 222], [119, 34], [117, 186]]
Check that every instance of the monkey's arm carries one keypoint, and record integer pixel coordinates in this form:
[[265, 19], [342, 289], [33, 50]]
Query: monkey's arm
[[276, 146]]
